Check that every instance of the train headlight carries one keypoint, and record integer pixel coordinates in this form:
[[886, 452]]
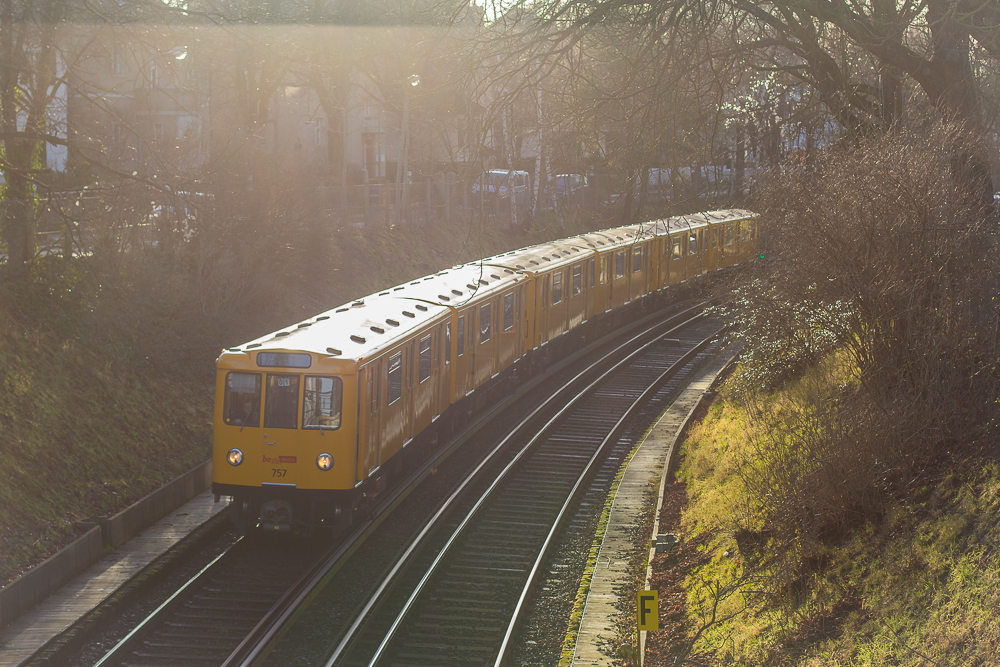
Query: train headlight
[[235, 457], [324, 461]]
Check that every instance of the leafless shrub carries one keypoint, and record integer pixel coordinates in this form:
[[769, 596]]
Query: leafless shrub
[[878, 247]]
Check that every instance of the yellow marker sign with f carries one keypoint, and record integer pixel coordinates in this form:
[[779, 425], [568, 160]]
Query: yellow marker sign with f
[[647, 612]]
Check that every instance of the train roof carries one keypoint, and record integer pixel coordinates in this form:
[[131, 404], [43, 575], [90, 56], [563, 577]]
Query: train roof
[[362, 328], [454, 287], [681, 222], [357, 330]]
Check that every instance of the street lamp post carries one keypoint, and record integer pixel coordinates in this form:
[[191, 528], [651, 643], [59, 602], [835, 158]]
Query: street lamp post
[[402, 182]]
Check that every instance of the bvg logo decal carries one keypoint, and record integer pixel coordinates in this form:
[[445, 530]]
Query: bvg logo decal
[[279, 459]]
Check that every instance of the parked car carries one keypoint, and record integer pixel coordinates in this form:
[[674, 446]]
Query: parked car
[[570, 189], [499, 188]]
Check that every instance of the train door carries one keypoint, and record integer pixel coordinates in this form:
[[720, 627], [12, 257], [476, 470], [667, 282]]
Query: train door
[[636, 282], [442, 381], [542, 312], [462, 358], [702, 264], [394, 416], [603, 297], [369, 457], [524, 331], [410, 390], [676, 260], [592, 291]]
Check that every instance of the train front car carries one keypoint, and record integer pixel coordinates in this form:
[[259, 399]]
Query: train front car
[[285, 430]]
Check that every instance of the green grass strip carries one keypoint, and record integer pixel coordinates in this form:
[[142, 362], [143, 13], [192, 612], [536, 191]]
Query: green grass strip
[[576, 617]]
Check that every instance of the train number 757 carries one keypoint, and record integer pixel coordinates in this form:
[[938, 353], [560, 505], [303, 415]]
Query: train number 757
[[278, 472]]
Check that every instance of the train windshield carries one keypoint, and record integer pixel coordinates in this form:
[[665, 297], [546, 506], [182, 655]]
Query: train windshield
[[321, 402], [281, 404], [242, 402]]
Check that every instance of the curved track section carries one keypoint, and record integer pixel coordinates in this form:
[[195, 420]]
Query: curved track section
[[454, 597], [236, 610]]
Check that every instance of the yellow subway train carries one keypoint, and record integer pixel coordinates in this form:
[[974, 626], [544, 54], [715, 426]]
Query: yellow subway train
[[313, 421]]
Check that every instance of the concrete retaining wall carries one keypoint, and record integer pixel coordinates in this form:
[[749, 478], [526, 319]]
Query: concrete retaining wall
[[33, 586], [122, 526]]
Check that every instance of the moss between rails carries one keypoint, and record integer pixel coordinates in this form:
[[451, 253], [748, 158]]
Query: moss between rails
[[918, 585], [576, 616]]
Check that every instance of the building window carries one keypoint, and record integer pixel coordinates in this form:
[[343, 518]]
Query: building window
[[117, 61]]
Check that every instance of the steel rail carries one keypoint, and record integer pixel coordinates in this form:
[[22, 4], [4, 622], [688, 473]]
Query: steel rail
[[373, 600], [571, 498], [510, 466], [269, 629], [129, 641], [273, 624]]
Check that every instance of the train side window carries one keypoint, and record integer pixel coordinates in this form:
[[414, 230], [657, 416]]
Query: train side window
[[693, 244], [593, 273], [281, 404], [395, 382], [556, 287], [447, 343], [484, 322], [321, 401], [241, 406], [508, 312], [620, 264], [730, 233], [676, 244], [604, 270], [577, 279], [425, 358], [460, 336], [637, 259]]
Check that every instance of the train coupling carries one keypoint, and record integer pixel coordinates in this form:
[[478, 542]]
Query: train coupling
[[276, 516]]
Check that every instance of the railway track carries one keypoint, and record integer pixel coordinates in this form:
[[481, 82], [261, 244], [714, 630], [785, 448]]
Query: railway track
[[461, 582], [457, 594], [203, 622]]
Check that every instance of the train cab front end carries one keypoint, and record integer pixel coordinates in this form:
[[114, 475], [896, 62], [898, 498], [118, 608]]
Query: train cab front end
[[284, 439]]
